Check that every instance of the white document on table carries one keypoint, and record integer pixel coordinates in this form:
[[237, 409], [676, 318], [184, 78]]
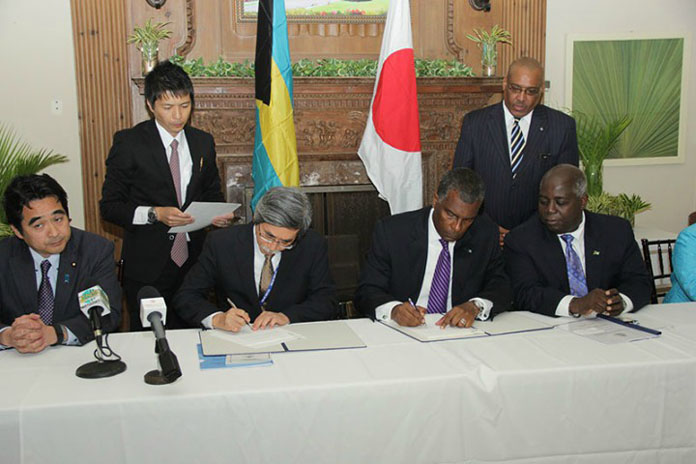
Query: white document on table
[[255, 339], [429, 332], [203, 214], [606, 332], [511, 322]]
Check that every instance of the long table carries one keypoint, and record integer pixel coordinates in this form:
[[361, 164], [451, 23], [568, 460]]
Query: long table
[[540, 397]]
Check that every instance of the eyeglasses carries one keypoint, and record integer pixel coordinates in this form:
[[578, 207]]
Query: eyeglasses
[[529, 91], [271, 240]]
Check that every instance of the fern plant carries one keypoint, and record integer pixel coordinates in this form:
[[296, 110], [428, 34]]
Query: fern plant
[[19, 158]]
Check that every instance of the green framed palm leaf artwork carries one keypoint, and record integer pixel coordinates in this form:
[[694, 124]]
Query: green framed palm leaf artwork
[[638, 79]]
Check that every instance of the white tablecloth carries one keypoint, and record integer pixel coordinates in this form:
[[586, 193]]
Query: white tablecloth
[[540, 397]]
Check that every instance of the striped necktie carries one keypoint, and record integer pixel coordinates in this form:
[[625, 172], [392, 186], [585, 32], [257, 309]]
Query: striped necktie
[[439, 288], [517, 143]]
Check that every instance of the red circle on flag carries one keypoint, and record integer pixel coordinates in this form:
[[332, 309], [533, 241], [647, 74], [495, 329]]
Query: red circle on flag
[[395, 106]]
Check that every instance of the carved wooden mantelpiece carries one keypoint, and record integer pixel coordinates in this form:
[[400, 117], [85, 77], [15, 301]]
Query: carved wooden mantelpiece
[[330, 115]]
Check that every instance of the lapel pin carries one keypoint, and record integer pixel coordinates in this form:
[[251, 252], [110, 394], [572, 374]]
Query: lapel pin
[[541, 129], [201, 164], [66, 278], [595, 253]]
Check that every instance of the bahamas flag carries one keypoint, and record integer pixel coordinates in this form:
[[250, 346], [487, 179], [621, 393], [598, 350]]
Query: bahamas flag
[[275, 148]]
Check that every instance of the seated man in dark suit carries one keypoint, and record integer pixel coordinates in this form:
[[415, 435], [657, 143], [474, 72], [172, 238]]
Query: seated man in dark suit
[[569, 262], [45, 265], [271, 272], [410, 271]]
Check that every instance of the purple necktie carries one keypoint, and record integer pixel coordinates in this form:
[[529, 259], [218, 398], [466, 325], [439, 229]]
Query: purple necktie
[[439, 288], [179, 251], [576, 276], [45, 295]]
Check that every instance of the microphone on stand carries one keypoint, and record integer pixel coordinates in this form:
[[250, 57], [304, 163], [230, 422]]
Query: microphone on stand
[[153, 313], [94, 303]]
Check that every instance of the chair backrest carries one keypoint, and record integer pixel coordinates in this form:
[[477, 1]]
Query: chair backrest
[[663, 270]]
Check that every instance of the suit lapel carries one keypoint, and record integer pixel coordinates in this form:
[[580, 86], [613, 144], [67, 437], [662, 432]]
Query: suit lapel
[[418, 251], [196, 158], [245, 250], [499, 136], [593, 255], [535, 137], [463, 251], [25, 276], [159, 158], [553, 257], [66, 279]]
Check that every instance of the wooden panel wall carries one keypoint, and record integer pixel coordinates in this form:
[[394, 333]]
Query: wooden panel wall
[[103, 89], [526, 20]]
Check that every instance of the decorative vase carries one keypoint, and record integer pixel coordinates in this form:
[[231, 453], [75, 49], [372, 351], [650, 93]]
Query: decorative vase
[[593, 172], [150, 55], [489, 59]]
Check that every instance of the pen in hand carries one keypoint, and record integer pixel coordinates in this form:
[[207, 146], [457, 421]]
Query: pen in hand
[[232, 305], [413, 305]]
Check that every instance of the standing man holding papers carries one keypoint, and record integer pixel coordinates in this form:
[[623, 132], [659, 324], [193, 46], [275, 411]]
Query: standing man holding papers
[[565, 261], [153, 172], [444, 258], [269, 273]]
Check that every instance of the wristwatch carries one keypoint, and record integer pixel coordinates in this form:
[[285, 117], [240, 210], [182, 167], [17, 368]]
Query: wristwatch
[[151, 215], [59, 334]]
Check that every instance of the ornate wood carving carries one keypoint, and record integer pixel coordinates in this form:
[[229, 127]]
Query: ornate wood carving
[[99, 29], [330, 115], [190, 40], [452, 44]]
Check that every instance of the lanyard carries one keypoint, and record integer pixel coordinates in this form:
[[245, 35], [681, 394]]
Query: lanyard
[[268, 290]]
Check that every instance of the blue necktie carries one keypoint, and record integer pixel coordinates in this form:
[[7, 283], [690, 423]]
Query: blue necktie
[[576, 276], [439, 288], [517, 144]]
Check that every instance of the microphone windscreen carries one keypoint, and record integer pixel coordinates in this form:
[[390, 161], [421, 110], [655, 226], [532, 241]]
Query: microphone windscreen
[[148, 292]]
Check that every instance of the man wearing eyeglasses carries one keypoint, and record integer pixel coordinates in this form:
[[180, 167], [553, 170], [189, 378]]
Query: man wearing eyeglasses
[[269, 273], [513, 143]]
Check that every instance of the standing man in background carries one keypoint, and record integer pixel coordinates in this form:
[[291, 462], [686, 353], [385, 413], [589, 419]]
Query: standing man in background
[[153, 172], [513, 143]]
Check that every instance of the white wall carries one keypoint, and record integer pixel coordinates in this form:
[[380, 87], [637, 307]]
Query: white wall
[[38, 65], [670, 188]]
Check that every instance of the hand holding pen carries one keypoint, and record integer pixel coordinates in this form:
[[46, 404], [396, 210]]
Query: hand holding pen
[[231, 320], [408, 314]]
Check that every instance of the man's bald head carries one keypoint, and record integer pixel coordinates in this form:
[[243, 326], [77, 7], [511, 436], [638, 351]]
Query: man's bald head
[[523, 86], [562, 197]]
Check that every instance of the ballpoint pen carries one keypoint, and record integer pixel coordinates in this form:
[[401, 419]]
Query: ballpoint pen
[[414, 307], [231, 303]]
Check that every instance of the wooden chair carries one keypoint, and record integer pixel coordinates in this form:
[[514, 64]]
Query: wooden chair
[[664, 272]]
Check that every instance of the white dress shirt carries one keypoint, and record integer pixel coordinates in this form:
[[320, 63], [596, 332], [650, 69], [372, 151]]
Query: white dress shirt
[[185, 168], [578, 244], [383, 312], [524, 123]]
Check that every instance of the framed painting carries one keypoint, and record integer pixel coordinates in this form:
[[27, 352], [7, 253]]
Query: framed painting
[[643, 78], [322, 11]]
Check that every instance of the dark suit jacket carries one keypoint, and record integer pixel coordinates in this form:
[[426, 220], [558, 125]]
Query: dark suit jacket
[[536, 263], [396, 261], [137, 174], [87, 259], [483, 147], [303, 289]]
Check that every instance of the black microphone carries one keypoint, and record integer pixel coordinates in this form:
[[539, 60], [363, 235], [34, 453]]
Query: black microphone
[[153, 313], [94, 302]]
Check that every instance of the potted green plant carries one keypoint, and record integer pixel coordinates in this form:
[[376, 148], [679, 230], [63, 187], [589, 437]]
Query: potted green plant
[[596, 139], [488, 43], [18, 158], [146, 39]]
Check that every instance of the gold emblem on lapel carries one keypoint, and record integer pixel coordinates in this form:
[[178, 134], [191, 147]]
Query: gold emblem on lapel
[[200, 168], [595, 253]]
